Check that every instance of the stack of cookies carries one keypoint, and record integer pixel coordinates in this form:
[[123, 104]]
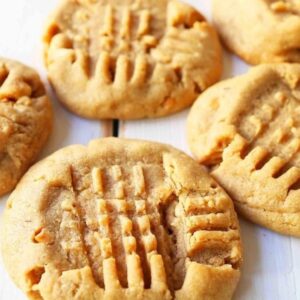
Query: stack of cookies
[[128, 219]]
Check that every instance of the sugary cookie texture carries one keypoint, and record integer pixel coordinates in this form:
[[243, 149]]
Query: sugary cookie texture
[[248, 130], [25, 120], [130, 59], [121, 219], [260, 31]]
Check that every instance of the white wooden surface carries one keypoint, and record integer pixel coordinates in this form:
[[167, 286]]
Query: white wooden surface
[[272, 262]]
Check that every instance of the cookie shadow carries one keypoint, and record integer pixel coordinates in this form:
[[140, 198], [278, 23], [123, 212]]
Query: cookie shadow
[[233, 65], [252, 259], [228, 65], [61, 126]]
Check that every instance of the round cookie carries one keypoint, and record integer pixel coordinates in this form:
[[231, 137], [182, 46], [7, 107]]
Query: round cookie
[[121, 219], [260, 31], [248, 129], [25, 121], [130, 59]]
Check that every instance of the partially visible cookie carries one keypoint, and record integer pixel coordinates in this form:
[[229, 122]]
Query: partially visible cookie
[[248, 129], [121, 219], [260, 31], [130, 59], [25, 121]]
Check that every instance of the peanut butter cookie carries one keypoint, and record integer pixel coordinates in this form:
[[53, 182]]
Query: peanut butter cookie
[[260, 31], [130, 59], [121, 219], [248, 129], [25, 121]]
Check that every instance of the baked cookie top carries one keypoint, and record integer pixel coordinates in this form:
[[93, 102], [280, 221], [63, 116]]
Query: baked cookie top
[[248, 128], [25, 120], [121, 219], [260, 31], [130, 59]]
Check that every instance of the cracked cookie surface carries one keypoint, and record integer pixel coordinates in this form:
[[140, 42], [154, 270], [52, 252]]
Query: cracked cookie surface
[[260, 31], [248, 129], [130, 59], [25, 120], [121, 219]]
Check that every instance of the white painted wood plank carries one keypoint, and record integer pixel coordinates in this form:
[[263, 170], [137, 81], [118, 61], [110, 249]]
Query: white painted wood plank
[[271, 268], [21, 27], [168, 130]]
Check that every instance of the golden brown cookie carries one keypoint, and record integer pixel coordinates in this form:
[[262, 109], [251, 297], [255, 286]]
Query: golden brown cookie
[[260, 31], [130, 59], [25, 120], [248, 129], [121, 219]]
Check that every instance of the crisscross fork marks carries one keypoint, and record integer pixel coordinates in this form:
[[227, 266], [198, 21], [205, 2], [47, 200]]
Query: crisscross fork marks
[[130, 240], [137, 247], [274, 125], [140, 258], [124, 29], [273, 174], [209, 227]]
